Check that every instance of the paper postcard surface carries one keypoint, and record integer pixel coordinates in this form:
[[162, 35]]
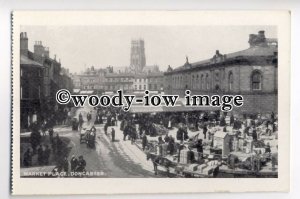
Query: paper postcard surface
[[118, 102]]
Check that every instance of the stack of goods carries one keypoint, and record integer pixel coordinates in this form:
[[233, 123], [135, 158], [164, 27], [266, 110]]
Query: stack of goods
[[241, 144], [198, 157], [259, 150], [186, 156], [249, 146], [208, 168], [235, 144], [179, 169], [192, 167]]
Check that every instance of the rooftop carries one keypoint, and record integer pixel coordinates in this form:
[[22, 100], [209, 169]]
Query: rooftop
[[25, 61]]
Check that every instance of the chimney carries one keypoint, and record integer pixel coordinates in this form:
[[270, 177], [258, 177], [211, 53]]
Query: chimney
[[39, 49], [252, 40], [24, 43], [46, 52], [261, 34]]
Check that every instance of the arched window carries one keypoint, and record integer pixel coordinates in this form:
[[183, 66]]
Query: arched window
[[230, 81], [207, 82], [256, 80]]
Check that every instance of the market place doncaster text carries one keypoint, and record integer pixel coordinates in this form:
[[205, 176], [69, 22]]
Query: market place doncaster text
[[225, 102]]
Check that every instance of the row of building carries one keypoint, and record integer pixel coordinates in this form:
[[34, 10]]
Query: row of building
[[136, 77], [106, 80], [251, 72], [40, 78]]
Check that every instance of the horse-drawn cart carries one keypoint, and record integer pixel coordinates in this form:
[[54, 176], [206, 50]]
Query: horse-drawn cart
[[88, 136]]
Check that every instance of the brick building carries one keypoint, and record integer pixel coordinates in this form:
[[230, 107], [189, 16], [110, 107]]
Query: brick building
[[91, 79], [251, 72], [41, 78], [119, 81], [31, 85], [155, 81]]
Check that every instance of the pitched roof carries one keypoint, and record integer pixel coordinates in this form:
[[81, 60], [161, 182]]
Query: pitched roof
[[256, 51], [25, 61]]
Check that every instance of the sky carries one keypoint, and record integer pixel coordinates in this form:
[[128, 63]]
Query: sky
[[79, 47]]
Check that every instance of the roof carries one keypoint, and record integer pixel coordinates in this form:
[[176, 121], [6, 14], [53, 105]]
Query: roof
[[88, 92], [256, 51], [220, 134], [179, 107], [76, 90], [25, 61], [119, 75]]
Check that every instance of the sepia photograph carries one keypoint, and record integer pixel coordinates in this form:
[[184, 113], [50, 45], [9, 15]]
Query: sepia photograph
[[145, 141], [71, 141]]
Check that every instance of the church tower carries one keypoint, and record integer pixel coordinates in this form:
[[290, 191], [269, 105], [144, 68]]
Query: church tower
[[137, 56]]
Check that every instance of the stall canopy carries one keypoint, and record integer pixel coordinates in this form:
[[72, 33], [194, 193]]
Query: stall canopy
[[86, 92], [179, 107]]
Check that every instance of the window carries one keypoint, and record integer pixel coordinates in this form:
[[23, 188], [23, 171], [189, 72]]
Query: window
[[202, 82], [197, 82], [135, 87], [193, 81], [207, 82], [230, 81], [140, 87], [144, 87], [256, 80], [181, 82]]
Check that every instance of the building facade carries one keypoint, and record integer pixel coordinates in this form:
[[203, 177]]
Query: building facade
[[156, 81], [119, 81], [41, 78], [251, 72], [92, 79], [31, 85]]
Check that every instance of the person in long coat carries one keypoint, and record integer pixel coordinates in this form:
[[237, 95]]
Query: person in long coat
[[125, 132], [171, 145], [46, 155], [144, 141], [74, 163], [179, 135], [205, 130], [66, 165], [113, 134], [40, 155], [133, 134], [254, 135], [27, 159]]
